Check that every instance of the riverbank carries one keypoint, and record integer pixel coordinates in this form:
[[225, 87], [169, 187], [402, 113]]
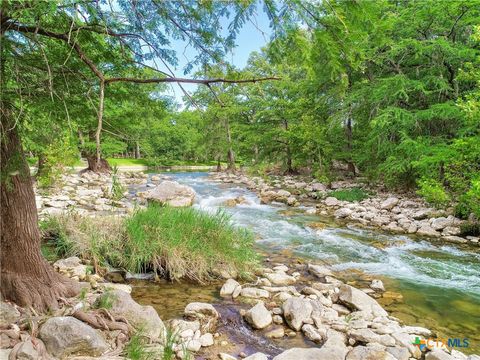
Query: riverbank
[[234, 329], [394, 213]]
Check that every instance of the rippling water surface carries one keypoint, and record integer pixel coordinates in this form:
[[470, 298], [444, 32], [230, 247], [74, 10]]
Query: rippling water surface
[[440, 283]]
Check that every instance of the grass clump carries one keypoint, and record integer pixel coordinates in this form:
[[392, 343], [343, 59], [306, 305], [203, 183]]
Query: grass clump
[[353, 194], [173, 242], [185, 242]]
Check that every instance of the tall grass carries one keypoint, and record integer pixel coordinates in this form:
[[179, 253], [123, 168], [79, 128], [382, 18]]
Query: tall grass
[[353, 194], [174, 242]]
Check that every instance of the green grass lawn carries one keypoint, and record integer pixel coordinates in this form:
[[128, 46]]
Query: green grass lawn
[[126, 162]]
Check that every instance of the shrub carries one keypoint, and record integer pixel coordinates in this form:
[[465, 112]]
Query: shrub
[[471, 228], [353, 194], [433, 192], [174, 242], [117, 188]]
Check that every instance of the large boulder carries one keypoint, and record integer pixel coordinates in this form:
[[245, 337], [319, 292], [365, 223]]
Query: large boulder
[[258, 316], [229, 288], [171, 193], [140, 317], [358, 300], [297, 311], [319, 271], [66, 336]]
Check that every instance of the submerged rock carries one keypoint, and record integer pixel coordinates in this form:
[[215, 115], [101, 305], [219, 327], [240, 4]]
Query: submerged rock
[[203, 312]]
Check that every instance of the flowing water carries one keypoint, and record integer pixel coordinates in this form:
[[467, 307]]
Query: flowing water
[[429, 284]]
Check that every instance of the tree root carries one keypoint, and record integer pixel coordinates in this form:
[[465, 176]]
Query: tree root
[[96, 321], [40, 293]]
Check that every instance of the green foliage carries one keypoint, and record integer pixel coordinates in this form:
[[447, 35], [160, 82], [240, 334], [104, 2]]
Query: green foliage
[[470, 228], [433, 192], [57, 156], [353, 194], [174, 242], [105, 301]]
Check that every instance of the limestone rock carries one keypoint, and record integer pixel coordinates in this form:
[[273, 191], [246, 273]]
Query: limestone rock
[[65, 336], [258, 316], [389, 203], [254, 293], [257, 356], [319, 271], [203, 312], [171, 193], [369, 353], [438, 355], [357, 299], [140, 317], [343, 213], [280, 278], [297, 311], [229, 287]]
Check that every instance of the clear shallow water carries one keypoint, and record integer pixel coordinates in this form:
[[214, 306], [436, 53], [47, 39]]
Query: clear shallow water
[[440, 283]]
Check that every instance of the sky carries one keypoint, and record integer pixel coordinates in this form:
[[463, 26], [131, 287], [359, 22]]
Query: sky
[[252, 37]]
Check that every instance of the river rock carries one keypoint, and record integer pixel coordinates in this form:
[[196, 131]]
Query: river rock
[[343, 213], [427, 230], [440, 223], [280, 278], [389, 203], [171, 193], [277, 332], [406, 340], [258, 316], [357, 299], [8, 314], [319, 271], [254, 293], [438, 355], [369, 353], [65, 336], [257, 356], [140, 317], [203, 312], [229, 287], [206, 340], [368, 336], [331, 201], [377, 285], [297, 311], [312, 334]]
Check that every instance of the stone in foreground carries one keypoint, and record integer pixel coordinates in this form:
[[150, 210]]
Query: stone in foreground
[[140, 317], [65, 336], [358, 300], [258, 316]]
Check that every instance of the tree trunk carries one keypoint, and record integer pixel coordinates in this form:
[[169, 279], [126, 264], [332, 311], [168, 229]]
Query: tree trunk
[[98, 166], [99, 123], [27, 278], [41, 165], [137, 150], [230, 153], [349, 135]]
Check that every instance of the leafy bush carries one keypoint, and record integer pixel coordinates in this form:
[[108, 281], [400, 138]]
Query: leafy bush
[[174, 242], [433, 192], [471, 228], [58, 155], [353, 194]]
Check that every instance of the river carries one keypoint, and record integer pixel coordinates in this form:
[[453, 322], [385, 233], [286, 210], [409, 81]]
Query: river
[[430, 284]]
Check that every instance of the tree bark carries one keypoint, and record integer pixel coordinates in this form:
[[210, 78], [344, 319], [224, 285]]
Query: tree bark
[[98, 151], [98, 166], [230, 153], [349, 135], [137, 150], [27, 278]]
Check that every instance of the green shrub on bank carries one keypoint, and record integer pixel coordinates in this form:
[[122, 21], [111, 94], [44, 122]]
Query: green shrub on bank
[[433, 192], [353, 194], [174, 242]]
